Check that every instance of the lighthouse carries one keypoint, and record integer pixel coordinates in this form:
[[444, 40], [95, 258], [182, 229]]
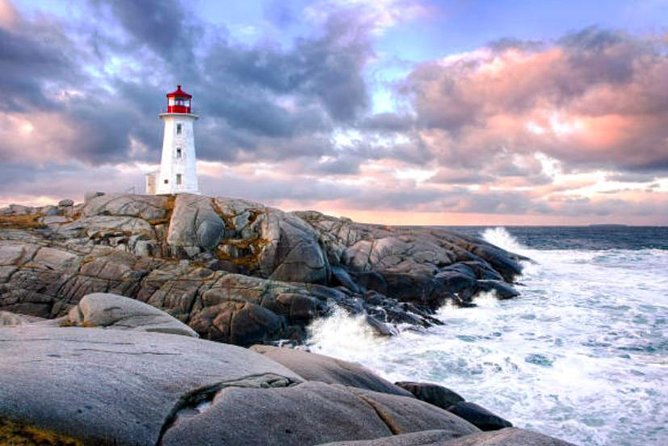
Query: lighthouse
[[178, 171]]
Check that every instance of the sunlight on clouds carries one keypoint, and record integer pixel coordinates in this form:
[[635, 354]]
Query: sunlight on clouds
[[562, 127], [9, 18], [346, 138], [379, 14], [418, 175], [534, 128], [39, 137]]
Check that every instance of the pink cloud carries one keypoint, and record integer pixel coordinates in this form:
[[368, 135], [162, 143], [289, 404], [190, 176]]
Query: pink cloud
[[585, 106]]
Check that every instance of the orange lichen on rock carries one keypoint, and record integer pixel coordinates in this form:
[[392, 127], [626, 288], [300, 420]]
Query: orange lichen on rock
[[29, 221], [17, 434]]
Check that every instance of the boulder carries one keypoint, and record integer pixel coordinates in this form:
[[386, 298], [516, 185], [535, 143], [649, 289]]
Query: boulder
[[407, 414], [314, 367], [307, 413], [56, 260], [8, 319], [103, 226], [479, 416], [240, 323], [195, 226], [89, 195], [507, 437], [431, 393], [147, 207], [66, 203], [290, 251], [117, 387], [422, 438], [121, 313]]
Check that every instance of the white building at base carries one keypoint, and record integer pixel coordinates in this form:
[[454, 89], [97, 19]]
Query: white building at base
[[178, 166]]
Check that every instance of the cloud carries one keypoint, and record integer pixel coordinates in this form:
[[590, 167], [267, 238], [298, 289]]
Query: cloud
[[573, 127], [594, 98], [162, 25]]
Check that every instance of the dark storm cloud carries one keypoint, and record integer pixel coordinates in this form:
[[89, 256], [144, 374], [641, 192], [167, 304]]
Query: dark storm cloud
[[162, 25], [388, 122], [246, 85], [27, 60]]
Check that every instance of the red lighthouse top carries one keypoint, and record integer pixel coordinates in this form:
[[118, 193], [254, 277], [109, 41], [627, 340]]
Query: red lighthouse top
[[178, 101]]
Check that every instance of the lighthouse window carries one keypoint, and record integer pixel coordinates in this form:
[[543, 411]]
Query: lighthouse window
[[178, 178], [166, 181], [178, 129], [178, 153]]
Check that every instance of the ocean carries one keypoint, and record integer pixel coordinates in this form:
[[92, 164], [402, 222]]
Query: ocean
[[582, 354]]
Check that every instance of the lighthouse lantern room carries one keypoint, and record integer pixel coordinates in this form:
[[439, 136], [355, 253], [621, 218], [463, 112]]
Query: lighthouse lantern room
[[177, 172]]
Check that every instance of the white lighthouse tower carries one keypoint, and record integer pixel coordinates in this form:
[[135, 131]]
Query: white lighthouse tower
[[178, 171]]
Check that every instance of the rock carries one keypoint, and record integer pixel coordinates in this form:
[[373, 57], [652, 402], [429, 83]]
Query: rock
[[421, 438], [105, 226], [19, 209], [291, 252], [501, 289], [65, 203], [176, 253], [479, 416], [121, 313], [90, 195], [431, 393], [56, 259], [308, 413], [8, 319], [54, 219], [403, 414], [240, 323], [16, 253], [117, 387], [504, 437], [147, 207], [49, 211], [341, 276], [314, 367], [507, 437], [195, 226]]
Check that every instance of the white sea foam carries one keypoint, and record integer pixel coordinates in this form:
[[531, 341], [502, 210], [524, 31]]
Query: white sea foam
[[501, 237], [581, 354]]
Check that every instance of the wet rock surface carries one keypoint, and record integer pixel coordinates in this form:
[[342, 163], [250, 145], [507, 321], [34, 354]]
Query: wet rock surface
[[482, 418], [237, 271], [432, 393]]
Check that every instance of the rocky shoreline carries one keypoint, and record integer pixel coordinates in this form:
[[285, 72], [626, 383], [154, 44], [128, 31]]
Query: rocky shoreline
[[237, 271], [118, 371], [107, 310]]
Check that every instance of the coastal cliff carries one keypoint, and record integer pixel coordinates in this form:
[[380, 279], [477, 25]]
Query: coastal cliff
[[237, 271]]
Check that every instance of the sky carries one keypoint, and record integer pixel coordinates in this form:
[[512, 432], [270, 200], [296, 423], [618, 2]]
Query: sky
[[452, 112]]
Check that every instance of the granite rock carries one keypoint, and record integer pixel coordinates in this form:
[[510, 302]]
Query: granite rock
[[204, 259], [315, 367], [113, 386], [431, 393], [108, 310]]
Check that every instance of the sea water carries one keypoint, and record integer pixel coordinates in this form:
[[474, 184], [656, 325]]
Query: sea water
[[582, 354]]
